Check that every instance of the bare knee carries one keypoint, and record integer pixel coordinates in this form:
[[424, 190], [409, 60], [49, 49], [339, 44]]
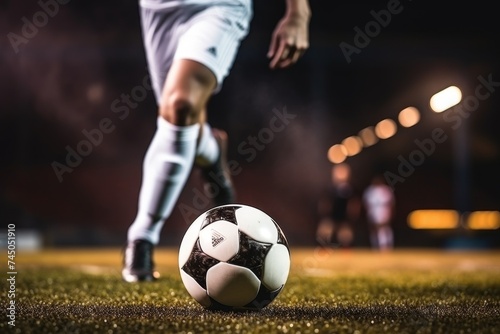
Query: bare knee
[[178, 109]]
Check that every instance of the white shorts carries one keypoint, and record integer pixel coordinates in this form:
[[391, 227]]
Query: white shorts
[[209, 34]]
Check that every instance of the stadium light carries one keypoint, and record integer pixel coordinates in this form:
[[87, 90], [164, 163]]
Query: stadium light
[[353, 145], [385, 128], [483, 220], [446, 99], [433, 219], [337, 153], [368, 136], [408, 117]]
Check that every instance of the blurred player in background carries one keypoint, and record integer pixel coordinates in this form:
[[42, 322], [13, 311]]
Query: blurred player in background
[[379, 203], [338, 210], [190, 48]]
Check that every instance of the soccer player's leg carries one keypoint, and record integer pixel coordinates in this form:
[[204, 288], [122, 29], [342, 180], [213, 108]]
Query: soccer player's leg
[[168, 162], [205, 48], [212, 158], [218, 32]]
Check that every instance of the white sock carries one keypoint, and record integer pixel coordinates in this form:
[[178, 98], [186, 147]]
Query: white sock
[[385, 237], [208, 149], [166, 167]]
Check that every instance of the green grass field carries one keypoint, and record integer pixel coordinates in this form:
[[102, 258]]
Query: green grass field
[[328, 291]]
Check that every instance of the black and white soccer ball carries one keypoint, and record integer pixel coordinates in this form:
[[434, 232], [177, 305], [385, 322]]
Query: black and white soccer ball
[[234, 257]]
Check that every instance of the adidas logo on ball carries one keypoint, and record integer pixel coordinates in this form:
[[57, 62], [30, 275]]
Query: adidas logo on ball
[[217, 238]]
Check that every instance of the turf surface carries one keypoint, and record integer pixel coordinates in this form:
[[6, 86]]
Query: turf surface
[[328, 291]]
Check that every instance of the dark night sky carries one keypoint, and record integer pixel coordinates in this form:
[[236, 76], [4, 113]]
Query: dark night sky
[[65, 78]]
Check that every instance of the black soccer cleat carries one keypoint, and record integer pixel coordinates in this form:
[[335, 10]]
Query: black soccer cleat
[[218, 176], [138, 265]]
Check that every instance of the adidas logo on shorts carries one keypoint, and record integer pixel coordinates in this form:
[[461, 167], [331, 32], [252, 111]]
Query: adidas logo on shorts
[[212, 50]]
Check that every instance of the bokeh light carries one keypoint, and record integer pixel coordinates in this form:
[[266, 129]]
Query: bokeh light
[[353, 145], [409, 116], [368, 136], [483, 220], [385, 128], [337, 153], [433, 219], [446, 99]]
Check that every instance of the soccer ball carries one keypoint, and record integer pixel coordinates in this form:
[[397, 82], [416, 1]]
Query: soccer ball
[[234, 257]]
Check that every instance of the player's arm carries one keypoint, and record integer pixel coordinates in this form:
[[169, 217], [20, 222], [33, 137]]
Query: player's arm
[[290, 38]]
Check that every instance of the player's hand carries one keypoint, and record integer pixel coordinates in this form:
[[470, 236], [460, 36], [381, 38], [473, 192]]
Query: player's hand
[[289, 41]]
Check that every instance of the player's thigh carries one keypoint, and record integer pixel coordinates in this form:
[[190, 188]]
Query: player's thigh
[[188, 87], [213, 37], [161, 32]]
